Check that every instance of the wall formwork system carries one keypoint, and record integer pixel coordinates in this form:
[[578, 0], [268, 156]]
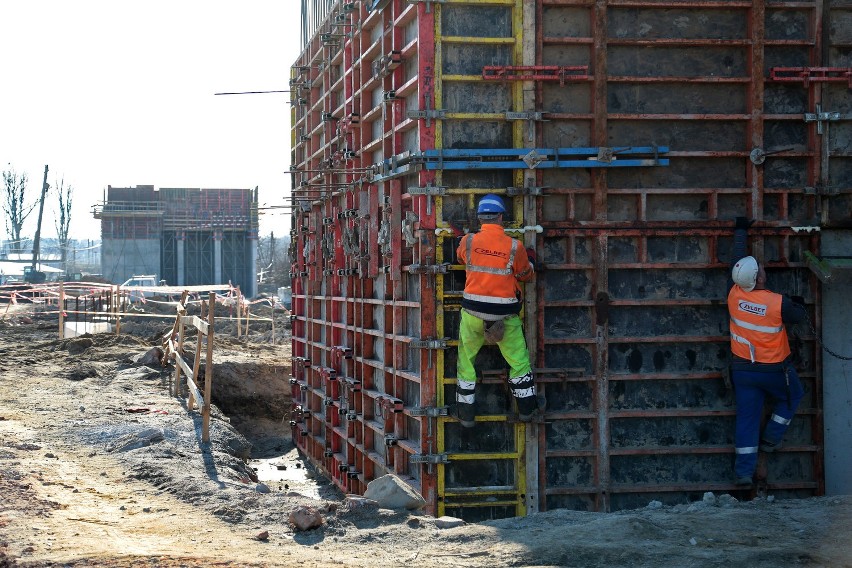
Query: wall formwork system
[[626, 135]]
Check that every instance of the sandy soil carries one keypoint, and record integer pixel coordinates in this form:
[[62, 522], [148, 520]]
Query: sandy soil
[[100, 466]]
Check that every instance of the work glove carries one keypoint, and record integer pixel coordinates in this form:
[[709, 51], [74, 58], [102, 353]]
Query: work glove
[[531, 256], [743, 223]]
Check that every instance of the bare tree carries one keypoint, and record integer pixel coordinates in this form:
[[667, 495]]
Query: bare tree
[[273, 259], [63, 217], [14, 208]]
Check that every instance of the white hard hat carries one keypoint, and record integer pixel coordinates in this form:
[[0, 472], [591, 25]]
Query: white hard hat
[[744, 273]]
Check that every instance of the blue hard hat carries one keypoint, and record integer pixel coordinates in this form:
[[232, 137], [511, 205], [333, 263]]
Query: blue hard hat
[[490, 204]]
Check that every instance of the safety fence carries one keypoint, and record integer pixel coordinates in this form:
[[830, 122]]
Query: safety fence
[[173, 350], [91, 307]]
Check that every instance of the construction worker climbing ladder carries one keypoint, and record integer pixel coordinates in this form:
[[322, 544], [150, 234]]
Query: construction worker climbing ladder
[[495, 264], [761, 364]]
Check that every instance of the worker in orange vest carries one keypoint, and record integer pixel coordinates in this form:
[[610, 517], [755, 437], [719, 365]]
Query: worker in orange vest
[[495, 264], [761, 363]]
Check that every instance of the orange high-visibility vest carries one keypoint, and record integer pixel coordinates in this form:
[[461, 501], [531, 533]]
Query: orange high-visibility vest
[[757, 331], [494, 263]]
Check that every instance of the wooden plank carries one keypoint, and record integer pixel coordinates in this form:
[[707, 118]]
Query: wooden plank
[[196, 322], [185, 367], [208, 369], [196, 393]]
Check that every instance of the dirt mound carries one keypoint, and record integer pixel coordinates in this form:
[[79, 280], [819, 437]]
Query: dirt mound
[[101, 466]]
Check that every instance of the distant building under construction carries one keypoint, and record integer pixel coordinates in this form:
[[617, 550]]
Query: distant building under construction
[[186, 236]]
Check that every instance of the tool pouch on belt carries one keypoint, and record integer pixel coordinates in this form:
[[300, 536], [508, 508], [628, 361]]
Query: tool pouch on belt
[[494, 330]]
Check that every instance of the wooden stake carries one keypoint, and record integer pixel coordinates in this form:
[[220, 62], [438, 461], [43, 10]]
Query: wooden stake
[[208, 372], [239, 312], [248, 317], [116, 306], [61, 310]]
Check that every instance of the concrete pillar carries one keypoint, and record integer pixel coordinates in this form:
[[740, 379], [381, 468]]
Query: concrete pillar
[[181, 252], [836, 373], [217, 257]]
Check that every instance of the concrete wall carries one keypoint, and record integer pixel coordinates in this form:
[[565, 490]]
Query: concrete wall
[[122, 258], [837, 374]]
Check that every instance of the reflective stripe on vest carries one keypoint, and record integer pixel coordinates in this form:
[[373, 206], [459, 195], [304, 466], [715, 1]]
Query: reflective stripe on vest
[[489, 299], [762, 328], [487, 269], [744, 341]]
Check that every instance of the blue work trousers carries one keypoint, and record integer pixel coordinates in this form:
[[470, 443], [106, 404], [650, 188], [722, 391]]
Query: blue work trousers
[[751, 388]]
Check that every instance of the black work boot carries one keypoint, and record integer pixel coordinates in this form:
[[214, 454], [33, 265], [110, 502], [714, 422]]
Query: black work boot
[[527, 408], [466, 414], [523, 389], [465, 408]]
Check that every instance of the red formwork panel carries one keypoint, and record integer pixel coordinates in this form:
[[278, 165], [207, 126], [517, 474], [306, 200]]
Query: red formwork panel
[[356, 312], [626, 323]]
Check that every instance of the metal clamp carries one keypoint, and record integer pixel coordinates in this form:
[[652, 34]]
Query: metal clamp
[[430, 411], [532, 117], [528, 190], [427, 114], [428, 458], [533, 159], [821, 117], [427, 190], [427, 268], [429, 344]]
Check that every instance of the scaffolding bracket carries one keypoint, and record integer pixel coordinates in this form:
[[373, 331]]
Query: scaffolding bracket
[[429, 458], [827, 267]]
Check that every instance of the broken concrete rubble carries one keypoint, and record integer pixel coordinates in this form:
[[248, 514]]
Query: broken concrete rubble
[[391, 492]]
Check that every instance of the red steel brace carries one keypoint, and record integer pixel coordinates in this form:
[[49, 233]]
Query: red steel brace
[[808, 75], [536, 73]]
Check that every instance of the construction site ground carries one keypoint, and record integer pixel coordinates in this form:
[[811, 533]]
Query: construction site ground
[[101, 466]]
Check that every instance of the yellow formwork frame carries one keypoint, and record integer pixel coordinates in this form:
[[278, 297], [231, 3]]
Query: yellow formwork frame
[[513, 497]]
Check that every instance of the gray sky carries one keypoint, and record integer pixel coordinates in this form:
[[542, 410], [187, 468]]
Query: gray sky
[[121, 93]]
